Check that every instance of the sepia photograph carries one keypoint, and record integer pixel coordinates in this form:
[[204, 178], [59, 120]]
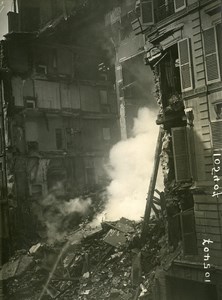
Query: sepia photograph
[[111, 149]]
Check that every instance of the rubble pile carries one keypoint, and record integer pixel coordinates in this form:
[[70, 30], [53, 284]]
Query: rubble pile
[[109, 262]]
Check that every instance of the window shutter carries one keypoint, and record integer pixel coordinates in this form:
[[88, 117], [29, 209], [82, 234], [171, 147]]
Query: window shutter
[[147, 12], [179, 5], [216, 131], [181, 154], [188, 232], [211, 55], [185, 65]]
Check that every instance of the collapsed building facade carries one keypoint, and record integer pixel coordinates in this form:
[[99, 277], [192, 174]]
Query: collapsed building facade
[[64, 104], [59, 106]]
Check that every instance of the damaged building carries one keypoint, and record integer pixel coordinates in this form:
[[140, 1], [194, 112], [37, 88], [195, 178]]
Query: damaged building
[[134, 82], [183, 48], [69, 92], [73, 79], [58, 100]]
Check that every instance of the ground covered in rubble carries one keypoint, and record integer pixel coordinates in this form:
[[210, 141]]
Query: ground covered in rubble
[[108, 262]]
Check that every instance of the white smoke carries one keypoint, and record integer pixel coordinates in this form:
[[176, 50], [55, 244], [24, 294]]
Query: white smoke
[[58, 215], [131, 165]]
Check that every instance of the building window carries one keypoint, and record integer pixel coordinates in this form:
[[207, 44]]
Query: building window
[[170, 77], [105, 107], [70, 138], [106, 134], [188, 230], [103, 97], [30, 103], [59, 139], [166, 8], [211, 54], [90, 171], [179, 5], [147, 12], [181, 153], [219, 44], [218, 110], [185, 65], [216, 129]]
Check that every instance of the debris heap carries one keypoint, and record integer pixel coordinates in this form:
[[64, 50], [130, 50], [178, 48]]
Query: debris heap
[[109, 262]]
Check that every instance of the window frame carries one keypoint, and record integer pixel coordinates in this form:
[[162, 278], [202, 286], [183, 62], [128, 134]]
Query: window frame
[[180, 8]]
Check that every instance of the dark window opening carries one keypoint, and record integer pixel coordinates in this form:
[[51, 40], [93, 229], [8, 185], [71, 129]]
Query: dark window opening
[[188, 229], [31, 19], [164, 9], [106, 134], [90, 171], [56, 172], [90, 176], [170, 78], [33, 146], [59, 139], [218, 110]]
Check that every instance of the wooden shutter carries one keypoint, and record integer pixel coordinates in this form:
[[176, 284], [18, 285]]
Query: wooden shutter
[[211, 55], [188, 232], [185, 65], [181, 153], [216, 131], [179, 5], [147, 12]]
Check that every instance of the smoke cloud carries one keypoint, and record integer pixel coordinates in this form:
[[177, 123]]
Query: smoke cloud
[[58, 215], [130, 168]]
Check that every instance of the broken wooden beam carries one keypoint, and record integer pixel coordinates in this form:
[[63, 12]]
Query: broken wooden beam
[[150, 195]]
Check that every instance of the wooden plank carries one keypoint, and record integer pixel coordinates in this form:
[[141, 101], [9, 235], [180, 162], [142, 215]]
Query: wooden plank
[[152, 184]]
